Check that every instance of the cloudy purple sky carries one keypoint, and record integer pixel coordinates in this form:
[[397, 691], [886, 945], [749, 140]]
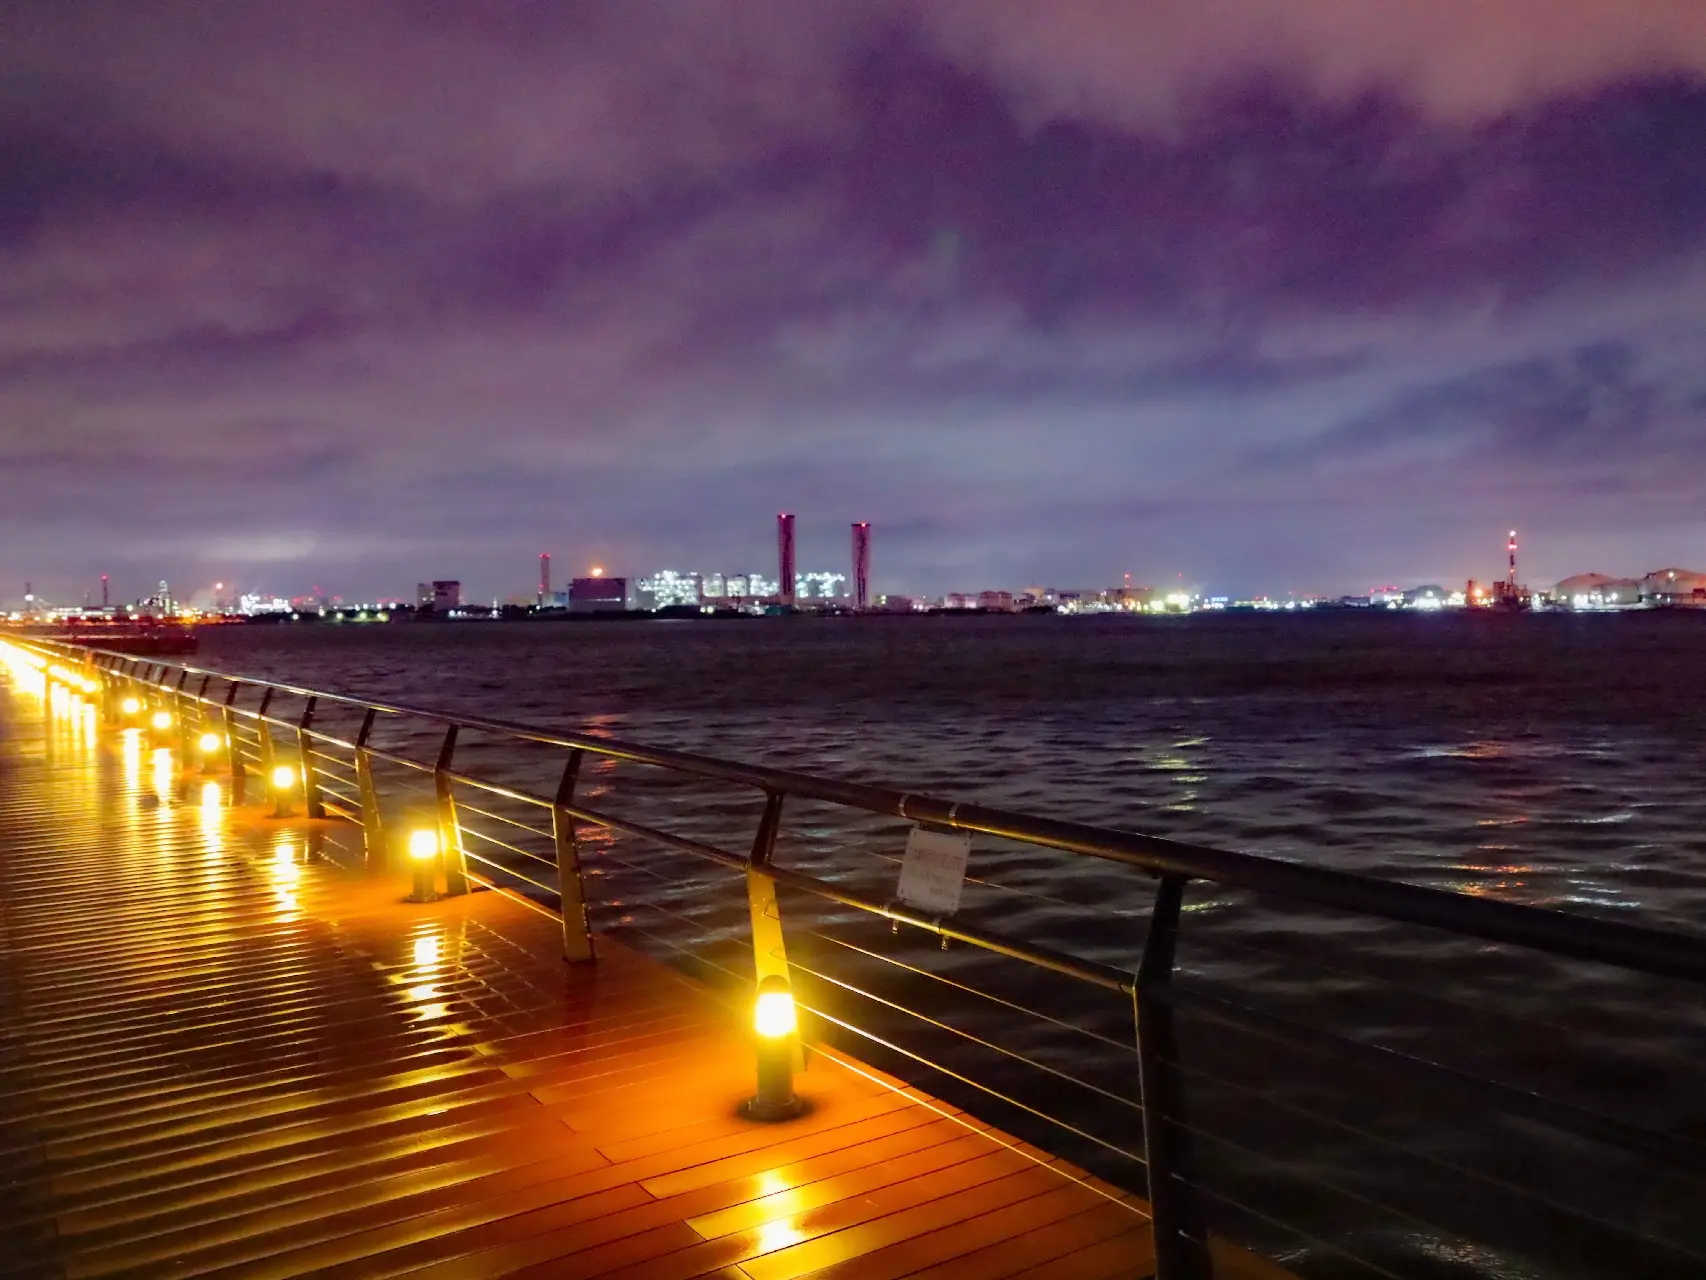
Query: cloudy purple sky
[[1274, 294]]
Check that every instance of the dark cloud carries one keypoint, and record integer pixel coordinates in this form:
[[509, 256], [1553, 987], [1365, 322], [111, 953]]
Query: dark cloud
[[386, 290]]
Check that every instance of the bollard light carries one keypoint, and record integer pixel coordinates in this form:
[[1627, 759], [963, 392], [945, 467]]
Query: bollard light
[[283, 779], [423, 856], [777, 1031]]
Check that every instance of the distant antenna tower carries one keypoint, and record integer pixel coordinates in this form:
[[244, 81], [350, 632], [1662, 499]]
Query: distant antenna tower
[[861, 565], [1510, 580]]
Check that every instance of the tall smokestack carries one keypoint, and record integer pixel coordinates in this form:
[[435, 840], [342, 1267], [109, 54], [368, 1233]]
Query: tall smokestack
[[861, 565], [1511, 580], [785, 558], [544, 577], [103, 591]]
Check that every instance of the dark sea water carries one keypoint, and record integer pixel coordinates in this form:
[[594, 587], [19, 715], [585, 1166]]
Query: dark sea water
[[1553, 760]]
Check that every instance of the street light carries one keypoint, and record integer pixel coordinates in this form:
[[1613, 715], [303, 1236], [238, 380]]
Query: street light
[[423, 855], [283, 779], [777, 1031]]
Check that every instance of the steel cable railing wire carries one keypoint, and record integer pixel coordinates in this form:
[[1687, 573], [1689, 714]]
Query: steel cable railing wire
[[990, 1090], [330, 788], [1268, 954], [497, 789], [506, 870], [1012, 1054], [462, 806], [1124, 1046], [1454, 1168], [1632, 947], [1382, 1061], [1294, 1175], [346, 768], [1419, 993], [519, 852]]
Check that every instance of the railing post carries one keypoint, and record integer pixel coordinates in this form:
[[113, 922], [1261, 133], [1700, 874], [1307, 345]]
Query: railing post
[[1181, 1237], [449, 830], [182, 722], [304, 744], [263, 736], [372, 833], [577, 925], [109, 692], [228, 720], [769, 947]]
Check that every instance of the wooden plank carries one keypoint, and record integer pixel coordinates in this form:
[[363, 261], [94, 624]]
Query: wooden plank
[[209, 1064], [1010, 1257], [1127, 1256]]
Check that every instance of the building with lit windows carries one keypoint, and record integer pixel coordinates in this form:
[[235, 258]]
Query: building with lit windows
[[821, 586], [667, 588], [443, 593]]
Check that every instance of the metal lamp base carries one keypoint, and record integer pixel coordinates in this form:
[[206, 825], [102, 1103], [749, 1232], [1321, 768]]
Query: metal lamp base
[[770, 1110]]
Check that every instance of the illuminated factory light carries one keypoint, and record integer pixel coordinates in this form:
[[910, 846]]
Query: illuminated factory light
[[161, 720]]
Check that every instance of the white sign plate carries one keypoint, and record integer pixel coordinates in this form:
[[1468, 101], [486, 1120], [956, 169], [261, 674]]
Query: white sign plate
[[934, 870]]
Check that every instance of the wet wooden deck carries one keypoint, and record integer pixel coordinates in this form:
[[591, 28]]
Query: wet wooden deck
[[223, 1053]]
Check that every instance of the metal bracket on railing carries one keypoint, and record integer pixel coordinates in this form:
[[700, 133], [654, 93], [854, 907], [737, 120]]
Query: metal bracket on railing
[[449, 829], [1181, 1236], [577, 922]]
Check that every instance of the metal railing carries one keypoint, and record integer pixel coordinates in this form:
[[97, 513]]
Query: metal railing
[[355, 755]]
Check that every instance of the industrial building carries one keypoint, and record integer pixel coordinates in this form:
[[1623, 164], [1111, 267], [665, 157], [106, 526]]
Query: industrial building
[[668, 588], [440, 594], [1673, 587], [598, 594], [1597, 591], [1660, 589]]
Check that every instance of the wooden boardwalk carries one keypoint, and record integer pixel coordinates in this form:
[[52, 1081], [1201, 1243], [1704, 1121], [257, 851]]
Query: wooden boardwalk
[[224, 1052]]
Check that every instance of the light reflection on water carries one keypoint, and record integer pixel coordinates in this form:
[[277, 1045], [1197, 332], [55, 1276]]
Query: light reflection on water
[[1379, 744]]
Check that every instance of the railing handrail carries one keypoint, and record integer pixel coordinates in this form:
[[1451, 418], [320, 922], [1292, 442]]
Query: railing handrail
[[1169, 1132], [1641, 948]]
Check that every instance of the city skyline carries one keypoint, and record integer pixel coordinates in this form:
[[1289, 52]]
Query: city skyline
[[1310, 296], [816, 581]]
